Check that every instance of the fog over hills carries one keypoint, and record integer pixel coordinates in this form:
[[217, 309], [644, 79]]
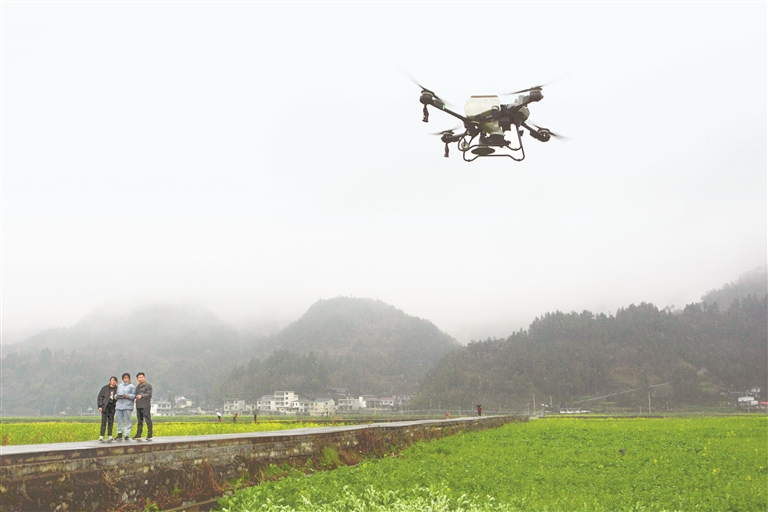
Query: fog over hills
[[367, 346], [185, 350], [364, 345], [754, 283]]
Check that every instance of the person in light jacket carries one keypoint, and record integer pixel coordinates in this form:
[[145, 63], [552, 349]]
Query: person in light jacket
[[126, 394]]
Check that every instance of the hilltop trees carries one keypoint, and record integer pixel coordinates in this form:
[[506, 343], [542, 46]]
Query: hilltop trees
[[574, 356]]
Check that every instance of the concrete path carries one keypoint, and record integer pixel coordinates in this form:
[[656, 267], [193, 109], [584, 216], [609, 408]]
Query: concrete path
[[89, 445]]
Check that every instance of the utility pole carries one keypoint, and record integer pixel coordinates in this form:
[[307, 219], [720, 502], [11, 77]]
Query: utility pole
[[534, 405], [649, 402]]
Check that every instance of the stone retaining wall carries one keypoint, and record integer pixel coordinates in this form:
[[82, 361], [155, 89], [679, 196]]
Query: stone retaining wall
[[172, 470]]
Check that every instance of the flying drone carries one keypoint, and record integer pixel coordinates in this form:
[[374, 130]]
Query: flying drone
[[486, 120]]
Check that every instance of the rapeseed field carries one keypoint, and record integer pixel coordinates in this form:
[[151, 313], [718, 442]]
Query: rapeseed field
[[558, 464]]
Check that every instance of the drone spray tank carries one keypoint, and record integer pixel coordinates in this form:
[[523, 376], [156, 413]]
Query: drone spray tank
[[479, 106]]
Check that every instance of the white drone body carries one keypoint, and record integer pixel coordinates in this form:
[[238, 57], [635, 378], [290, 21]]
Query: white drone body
[[486, 121], [477, 107]]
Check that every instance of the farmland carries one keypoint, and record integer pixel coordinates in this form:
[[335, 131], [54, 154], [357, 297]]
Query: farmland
[[41, 432], [548, 464]]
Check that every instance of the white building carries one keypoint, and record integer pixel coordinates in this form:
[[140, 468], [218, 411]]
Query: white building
[[323, 407], [750, 401], [284, 400], [266, 404], [160, 408], [182, 403], [302, 406], [235, 405], [350, 404]]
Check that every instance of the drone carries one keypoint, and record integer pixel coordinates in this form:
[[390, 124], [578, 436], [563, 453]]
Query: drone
[[486, 121]]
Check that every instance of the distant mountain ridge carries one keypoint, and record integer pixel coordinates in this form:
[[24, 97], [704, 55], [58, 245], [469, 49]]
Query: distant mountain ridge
[[753, 283], [167, 328], [684, 357], [185, 349], [182, 350], [361, 344], [340, 326], [372, 347]]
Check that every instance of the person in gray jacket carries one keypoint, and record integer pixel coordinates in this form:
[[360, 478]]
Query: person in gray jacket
[[143, 405], [126, 394]]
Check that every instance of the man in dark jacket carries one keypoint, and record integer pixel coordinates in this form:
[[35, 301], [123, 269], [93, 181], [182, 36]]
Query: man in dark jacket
[[143, 406], [106, 403]]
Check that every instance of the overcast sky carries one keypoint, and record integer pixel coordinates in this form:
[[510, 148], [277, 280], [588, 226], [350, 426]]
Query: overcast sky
[[257, 157]]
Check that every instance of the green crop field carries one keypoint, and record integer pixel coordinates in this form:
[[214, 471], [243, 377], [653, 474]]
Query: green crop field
[[40, 432], [559, 464]]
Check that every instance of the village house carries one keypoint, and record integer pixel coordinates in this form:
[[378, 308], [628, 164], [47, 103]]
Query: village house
[[181, 403], [160, 408], [266, 404], [235, 405], [323, 407], [289, 402], [302, 406], [284, 400], [350, 404]]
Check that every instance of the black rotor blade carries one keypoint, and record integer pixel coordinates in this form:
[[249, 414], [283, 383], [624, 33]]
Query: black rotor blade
[[555, 135], [451, 131], [534, 88], [430, 91]]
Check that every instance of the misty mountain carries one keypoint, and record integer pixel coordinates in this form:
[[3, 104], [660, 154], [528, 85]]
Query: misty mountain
[[700, 352], [182, 350], [166, 328], [364, 345], [753, 283], [361, 344]]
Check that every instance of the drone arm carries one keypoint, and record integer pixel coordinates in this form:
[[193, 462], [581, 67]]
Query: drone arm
[[430, 100], [542, 135]]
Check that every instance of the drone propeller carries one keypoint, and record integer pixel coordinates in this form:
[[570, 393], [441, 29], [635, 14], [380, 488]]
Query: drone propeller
[[555, 135], [534, 88], [447, 132], [426, 90]]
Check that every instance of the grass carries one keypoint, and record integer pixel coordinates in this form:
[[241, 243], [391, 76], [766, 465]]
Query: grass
[[559, 464]]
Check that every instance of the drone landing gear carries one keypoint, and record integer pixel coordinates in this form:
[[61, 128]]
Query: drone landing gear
[[494, 145], [483, 151]]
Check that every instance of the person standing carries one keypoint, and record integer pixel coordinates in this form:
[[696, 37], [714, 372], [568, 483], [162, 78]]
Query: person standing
[[218, 414], [106, 403], [126, 394], [143, 406]]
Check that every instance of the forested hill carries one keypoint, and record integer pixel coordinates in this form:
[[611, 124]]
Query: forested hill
[[182, 350], [753, 283], [364, 345], [701, 351]]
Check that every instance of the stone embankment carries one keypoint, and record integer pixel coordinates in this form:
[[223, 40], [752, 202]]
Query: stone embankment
[[172, 470]]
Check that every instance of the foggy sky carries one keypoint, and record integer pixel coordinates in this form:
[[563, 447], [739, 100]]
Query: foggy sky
[[257, 157]]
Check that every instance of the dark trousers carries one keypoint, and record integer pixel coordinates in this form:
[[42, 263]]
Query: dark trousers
[[107, 418], [142, 413]]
